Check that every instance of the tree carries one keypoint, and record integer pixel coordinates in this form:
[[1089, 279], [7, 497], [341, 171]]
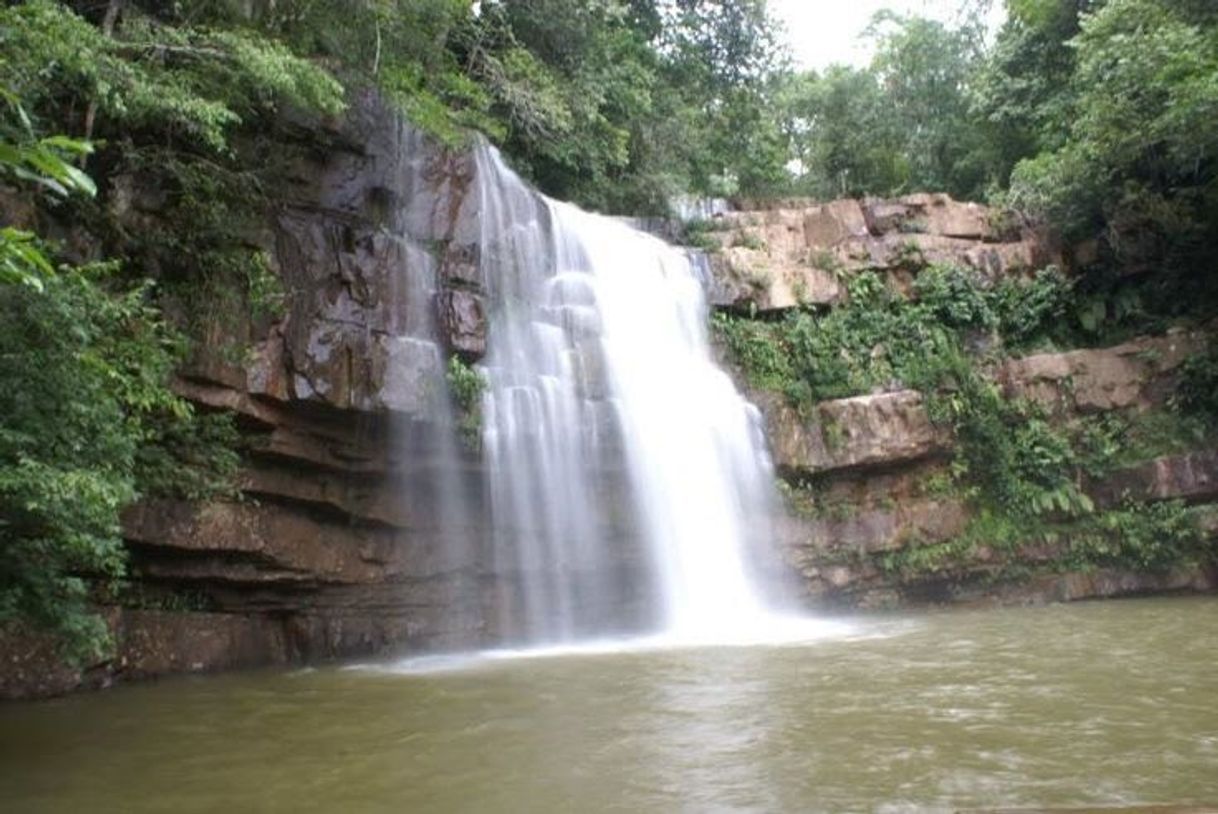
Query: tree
[[1024, 94], [925, 69], [900, 125], [841, 135], [87, 419], [1141, 152], [724, 59]]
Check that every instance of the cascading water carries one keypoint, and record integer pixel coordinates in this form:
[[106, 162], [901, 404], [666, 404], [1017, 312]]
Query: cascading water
[[599, 363]]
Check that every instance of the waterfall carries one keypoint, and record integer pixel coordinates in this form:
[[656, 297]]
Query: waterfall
[[607, 425]]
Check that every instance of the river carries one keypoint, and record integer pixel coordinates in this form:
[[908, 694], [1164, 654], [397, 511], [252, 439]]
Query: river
[[1095, 704]]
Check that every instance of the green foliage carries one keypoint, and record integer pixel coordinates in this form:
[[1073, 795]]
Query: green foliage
[[182, 104], [919, 561], [954, 298], [1197, 394], [465, 387], [1146, 536], [188, 455], [1112, 441], [837, 127], [1041, 310], [86, 423], [45, 164], [1023, 96], [1135, 160], [759, 350], [21, 259], [1007, 450], [719, 66], [1139, 536], [465, 384], [880, 339], [617, 105], [925, 68], [428, 56], [199, 246], [700, 234], [902, 124], [191, 84]]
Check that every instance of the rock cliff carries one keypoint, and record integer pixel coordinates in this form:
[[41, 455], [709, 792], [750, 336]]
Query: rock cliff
[[866, 473], [795, 252], [337, 545], [875, 460]]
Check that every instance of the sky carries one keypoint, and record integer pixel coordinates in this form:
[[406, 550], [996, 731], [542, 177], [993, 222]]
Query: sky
[[822, 32]]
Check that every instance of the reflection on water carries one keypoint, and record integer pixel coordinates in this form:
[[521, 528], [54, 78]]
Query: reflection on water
[[783, 630], [1098, 704]]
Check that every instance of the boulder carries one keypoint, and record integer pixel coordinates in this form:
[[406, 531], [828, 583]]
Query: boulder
[[832, 223], [873, 531], [871, 431], [1192, 477], [1134, 375], [463, 322]]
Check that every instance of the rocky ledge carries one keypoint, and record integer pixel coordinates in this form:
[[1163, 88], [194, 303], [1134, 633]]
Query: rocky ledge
[[777, 255], [878, 462]]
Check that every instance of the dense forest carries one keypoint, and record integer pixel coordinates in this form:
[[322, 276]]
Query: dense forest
[[1099, 117]]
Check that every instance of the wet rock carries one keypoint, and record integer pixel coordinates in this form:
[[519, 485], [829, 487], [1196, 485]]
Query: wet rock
[[463, 320], [154, 643], [460, 265], [412, 376], [274, 542]]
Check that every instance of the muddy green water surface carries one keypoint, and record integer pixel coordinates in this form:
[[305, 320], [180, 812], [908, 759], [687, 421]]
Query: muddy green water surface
[[1110, 703]]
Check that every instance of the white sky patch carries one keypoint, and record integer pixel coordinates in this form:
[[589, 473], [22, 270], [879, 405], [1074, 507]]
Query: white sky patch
[[824, 32]]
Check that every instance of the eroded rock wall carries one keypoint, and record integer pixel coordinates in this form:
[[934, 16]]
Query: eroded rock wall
[[784, 254], [359, 526], [867, 473], [879, 463]]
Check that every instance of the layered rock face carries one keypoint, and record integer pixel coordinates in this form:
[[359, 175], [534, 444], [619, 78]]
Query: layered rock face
[[877, 461], [360, 522], [795, 252], [354, 487]]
